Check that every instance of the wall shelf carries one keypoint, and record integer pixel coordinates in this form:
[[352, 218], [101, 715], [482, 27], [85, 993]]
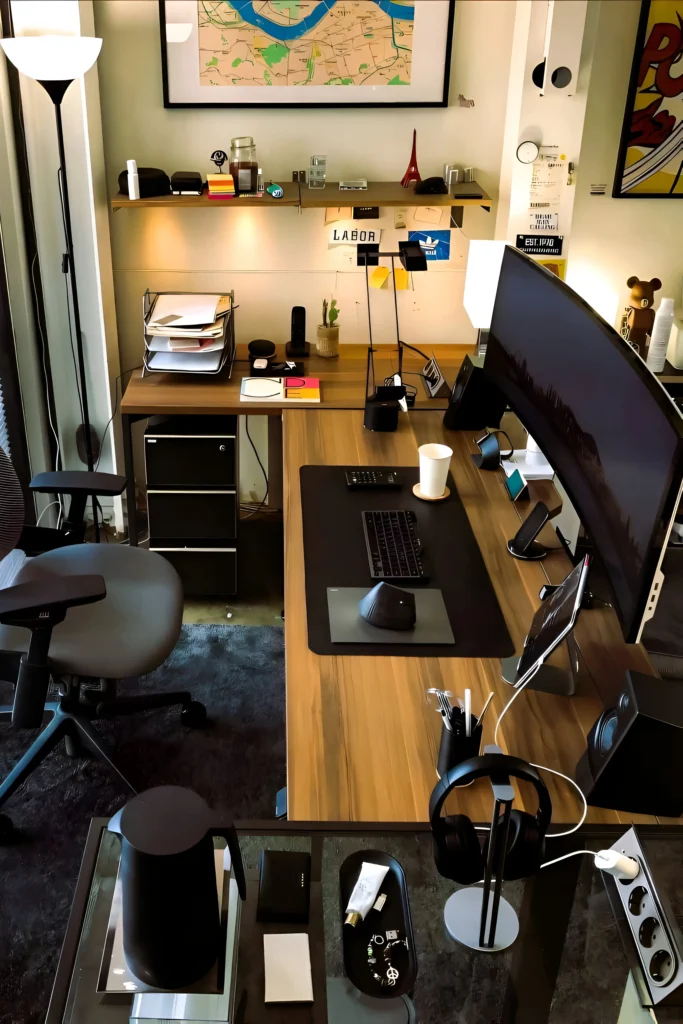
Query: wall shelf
[[378, 193]]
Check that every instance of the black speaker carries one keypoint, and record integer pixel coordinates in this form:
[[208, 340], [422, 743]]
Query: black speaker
[[475, 402], [634, 756]]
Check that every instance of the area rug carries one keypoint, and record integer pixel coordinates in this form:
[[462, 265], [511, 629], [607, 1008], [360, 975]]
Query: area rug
[[237, 764]]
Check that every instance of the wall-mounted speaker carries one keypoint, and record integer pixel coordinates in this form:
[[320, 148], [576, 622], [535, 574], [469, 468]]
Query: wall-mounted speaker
[[634, 756], [475, 402], [558, 72]]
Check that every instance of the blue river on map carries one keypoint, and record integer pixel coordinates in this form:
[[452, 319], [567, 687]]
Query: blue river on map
[[245, 8]]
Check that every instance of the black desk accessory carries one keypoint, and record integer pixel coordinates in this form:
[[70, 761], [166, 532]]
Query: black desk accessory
[[371, 479], [552, 623], [433, 379], [634, 751], [475, 402], [379, 953], [647, 911], [289, 369], [218, 157], [186, 183], [298, 347], [366, 213], [171, 927], [388, 607], [524, 545], [393, 546], [153, 182], [431, 187], [516, 485], [455, 745], [261, 348], [514, 849], [335, 556], [284, 892], [489, 456]]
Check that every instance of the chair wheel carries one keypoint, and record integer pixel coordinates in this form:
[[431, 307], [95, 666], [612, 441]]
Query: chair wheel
[[194, 715], [8, 833]]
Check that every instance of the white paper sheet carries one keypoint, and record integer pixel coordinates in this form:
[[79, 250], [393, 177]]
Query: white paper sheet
[[288, 968], [186, 310]]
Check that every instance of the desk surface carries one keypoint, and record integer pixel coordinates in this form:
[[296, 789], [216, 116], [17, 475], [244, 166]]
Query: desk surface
[[343, 383], [362, 741]]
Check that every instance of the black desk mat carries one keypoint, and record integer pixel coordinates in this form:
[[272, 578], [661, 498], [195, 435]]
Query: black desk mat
[[335, 556]]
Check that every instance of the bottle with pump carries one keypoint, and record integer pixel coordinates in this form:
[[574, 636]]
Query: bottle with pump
[[661, 330]]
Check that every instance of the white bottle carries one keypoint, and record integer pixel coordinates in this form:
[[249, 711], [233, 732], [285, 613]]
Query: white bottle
[[656, 356], [133, 180]]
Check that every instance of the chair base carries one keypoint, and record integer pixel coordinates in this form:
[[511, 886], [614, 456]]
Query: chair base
[[71, 721]]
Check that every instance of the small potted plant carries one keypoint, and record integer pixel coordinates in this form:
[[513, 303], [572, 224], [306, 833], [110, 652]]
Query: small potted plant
[[328, 333]]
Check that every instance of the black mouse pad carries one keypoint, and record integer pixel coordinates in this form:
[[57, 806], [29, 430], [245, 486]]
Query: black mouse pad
[[347, 626], [335, 555]]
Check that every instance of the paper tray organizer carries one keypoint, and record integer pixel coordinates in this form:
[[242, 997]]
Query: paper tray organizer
[[224, 344]]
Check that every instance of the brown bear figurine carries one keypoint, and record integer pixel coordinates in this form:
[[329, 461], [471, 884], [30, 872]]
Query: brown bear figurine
[[641, 315]]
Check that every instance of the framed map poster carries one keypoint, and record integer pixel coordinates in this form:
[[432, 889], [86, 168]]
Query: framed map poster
[[650, 162], [306, 53]]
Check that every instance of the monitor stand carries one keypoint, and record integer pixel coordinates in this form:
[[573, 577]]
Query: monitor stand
[[549, 678]]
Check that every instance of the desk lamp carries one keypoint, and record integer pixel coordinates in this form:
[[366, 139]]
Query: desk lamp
[[382, 403], [56, 61], [481, 283]]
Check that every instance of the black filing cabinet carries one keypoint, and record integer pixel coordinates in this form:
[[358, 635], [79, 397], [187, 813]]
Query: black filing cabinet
[[192, 475]]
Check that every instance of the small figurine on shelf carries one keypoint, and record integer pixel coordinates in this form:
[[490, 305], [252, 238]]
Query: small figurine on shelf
[[327, 342], [218, 157], [641, 315], [412, 174]]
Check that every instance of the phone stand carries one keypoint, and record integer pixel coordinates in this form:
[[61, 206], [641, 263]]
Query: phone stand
[[489, 456], [533, 552], [523, 545]]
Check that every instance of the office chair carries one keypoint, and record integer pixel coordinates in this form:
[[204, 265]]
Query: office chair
[[79, 613]]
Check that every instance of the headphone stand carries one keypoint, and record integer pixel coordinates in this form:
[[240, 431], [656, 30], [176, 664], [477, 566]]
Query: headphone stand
[[470, 915]]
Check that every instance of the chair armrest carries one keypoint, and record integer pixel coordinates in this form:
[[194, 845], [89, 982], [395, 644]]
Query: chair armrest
[[50, 592], [77, 481]]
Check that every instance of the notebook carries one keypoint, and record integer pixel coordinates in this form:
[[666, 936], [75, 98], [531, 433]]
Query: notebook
[[287, 960], [280, 389]]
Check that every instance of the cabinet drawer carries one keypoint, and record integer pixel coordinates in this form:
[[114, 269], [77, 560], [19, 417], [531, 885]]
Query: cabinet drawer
[[190, 461], [204, 572], [192, 516]]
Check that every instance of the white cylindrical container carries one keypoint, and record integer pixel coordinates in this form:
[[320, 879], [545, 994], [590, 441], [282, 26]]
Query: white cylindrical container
[[661, 331], [133, 180], [435, 460]]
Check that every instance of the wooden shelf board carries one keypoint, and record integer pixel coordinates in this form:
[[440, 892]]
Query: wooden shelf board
[[290, 198], [391, 193]]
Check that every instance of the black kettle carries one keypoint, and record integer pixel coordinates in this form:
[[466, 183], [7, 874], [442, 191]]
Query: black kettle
[[171, 919]]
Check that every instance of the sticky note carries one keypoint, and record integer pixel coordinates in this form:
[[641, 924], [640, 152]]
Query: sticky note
[[400, 279], [378, 277], [334, 213]]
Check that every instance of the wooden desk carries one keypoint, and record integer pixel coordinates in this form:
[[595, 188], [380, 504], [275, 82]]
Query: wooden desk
[[361, 739]]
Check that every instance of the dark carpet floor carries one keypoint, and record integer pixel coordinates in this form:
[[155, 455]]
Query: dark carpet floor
[[237, 764]]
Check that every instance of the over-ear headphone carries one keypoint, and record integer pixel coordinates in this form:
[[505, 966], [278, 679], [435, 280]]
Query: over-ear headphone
[[457, 852]]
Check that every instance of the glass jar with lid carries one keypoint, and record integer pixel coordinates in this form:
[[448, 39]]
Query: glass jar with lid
[[243, 164]]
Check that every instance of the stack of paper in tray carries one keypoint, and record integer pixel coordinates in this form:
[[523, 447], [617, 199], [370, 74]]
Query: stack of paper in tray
[[221, 186], [187, 332]]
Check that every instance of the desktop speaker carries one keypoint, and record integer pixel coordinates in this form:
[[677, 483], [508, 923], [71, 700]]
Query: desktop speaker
[[475, 402], [382, 408], [634, 756], [298, 346]]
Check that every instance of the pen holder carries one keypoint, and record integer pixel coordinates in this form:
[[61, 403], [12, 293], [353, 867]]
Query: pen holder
[[455, 746]]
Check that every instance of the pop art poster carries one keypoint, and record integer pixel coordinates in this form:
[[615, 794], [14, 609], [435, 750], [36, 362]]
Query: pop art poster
[[650, 163]]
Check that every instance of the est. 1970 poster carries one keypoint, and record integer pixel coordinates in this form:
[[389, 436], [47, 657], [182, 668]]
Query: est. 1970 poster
[[650, 163]]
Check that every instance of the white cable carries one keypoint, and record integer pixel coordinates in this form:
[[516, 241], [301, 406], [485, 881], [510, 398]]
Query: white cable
[[574, 853], [45, 510], [556, 835], [513, 698]]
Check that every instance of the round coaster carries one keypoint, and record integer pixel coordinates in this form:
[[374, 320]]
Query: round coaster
[[423, 497]]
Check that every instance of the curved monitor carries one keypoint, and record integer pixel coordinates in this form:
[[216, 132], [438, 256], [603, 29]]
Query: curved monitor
[[603, 421]]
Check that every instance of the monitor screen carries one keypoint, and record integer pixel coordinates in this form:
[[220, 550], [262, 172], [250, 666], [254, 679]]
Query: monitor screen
[[603, 421]]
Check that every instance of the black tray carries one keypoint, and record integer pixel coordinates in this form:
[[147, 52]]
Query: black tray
[[395, 916]]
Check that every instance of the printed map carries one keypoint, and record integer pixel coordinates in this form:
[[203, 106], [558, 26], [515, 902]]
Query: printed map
[[305, 42]]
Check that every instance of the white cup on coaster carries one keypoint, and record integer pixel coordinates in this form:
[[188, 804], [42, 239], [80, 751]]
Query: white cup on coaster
[[435, 461]]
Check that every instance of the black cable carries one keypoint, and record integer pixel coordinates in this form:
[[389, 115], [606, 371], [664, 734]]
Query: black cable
[[413, 349], [68, 269], [265, 475], [73, 354], [116, 406]]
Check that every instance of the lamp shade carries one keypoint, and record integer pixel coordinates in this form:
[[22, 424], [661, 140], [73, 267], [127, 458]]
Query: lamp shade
[[52, 58], [481, 281]]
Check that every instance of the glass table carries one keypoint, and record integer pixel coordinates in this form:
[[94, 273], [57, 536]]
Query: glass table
[[569, 965]]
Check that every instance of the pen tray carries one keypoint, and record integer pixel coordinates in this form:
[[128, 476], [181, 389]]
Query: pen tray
[[394, 917]]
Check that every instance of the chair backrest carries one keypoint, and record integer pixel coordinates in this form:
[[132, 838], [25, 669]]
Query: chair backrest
[[11, 506]]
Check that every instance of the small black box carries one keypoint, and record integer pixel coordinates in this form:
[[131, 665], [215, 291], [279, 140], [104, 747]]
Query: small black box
[[284, 890], [187, 183]]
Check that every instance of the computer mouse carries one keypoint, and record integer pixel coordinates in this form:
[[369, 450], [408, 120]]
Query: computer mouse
[[431, 187], [388, 607]]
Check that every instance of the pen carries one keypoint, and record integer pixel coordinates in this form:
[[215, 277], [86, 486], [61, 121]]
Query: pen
[[447, 721], [468, 712], [488, 701]]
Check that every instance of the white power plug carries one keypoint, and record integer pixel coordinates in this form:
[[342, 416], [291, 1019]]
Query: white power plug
[[617, 864]]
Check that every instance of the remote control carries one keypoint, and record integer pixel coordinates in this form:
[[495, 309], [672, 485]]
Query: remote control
[[371, 479]]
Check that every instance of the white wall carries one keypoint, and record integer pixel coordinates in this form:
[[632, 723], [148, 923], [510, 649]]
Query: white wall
[[615, 238]]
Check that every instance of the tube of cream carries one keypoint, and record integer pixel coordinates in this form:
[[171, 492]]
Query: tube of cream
[[364, 892]]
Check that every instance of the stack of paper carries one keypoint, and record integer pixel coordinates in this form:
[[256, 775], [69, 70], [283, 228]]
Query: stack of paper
[[221, 186], [187, 332]]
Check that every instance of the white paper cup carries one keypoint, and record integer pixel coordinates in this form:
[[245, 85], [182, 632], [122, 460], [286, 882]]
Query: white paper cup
[[435, 460]]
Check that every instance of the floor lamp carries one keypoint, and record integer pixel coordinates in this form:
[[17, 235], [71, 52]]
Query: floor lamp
[[55, 62]]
